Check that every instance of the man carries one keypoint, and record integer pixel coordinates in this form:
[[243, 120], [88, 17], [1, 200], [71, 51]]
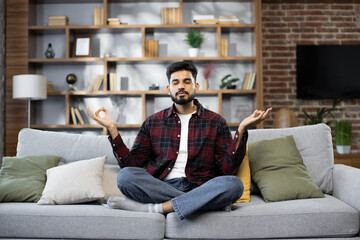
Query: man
[[188, 152]]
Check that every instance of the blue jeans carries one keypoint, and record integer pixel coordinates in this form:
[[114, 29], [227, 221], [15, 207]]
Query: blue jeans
[[137, 184]]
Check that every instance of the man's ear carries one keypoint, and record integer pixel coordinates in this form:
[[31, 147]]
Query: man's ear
[[197, 86], [168, 89]]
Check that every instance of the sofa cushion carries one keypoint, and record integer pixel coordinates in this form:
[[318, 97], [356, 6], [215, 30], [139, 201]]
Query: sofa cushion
[[22, 179], [314, 143], [69, 146], [278, 170], [110, 181], [76, 182], [313, 217], [80, 221], [245, 176]]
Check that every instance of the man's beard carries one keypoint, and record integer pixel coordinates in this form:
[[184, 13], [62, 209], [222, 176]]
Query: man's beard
[[182, 101]]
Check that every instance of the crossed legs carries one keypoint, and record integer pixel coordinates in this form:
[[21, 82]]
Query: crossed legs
[[142, 188]]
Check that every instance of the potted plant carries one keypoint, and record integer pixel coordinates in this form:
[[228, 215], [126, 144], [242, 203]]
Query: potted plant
[[194, 39], [321, 114], [343, 137], [227, 82]]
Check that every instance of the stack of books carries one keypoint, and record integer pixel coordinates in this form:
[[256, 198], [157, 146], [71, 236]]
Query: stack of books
[[99, 16], [205, 19], [152, 48], [49, 86], [58, 20], [113, 83], [170, 16], [78, 116], [228, 20], [223, 47], [95, 83], [249, 81], [113, 21]]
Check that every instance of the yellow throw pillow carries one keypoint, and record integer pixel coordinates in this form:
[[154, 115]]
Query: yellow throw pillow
[[244, 174]]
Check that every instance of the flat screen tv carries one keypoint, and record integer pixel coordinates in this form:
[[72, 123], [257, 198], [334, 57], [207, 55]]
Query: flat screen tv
[[328, 71]]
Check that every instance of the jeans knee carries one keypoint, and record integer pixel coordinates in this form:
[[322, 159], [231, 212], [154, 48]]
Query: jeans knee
[[234, 186], [127, 176]]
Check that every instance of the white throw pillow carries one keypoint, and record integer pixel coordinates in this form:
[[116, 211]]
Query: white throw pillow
[[76, 182], [110, 181]]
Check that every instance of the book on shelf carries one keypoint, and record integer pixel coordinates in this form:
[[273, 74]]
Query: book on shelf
[[49, 86], [95, 83], [152, 48], [207, 21], [113, 84], [203, 17], [228, 20], [113, 21], [98, 16], [78, 116], [249, 81], [58, 20], [170, 16], [73, 116], [224, 47]]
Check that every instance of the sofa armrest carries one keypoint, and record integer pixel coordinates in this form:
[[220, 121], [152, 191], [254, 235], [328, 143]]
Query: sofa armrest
[[346, 182]]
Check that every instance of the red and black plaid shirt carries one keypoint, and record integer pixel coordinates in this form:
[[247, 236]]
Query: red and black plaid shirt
[[211, 150]]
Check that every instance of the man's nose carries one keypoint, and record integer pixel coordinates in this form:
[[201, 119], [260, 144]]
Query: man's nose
[[181, 85]]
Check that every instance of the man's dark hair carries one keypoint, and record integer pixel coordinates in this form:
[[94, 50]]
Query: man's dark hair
[[180, 66]]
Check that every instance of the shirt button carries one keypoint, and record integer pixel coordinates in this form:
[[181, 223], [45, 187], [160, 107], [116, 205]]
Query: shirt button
[[169, 169], [114, 145], [179, 122], [178, 135], [177, 152], [233, 152]]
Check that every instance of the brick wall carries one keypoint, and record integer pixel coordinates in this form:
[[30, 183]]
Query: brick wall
[[288, 23]]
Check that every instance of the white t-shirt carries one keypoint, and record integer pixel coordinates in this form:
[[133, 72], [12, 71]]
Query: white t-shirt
[[178, 170]]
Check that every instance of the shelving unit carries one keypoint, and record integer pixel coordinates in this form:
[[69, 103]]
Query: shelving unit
[[126, 44]]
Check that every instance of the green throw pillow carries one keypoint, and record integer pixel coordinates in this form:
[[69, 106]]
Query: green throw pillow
[[278, 170], [22, 179]]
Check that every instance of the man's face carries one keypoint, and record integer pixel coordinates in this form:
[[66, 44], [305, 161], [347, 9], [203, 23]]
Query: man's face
[[182, 87]]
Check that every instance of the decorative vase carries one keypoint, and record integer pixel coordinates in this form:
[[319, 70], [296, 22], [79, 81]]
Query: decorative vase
[[343, 137], [206, 84], [49, 53], [193, 52]]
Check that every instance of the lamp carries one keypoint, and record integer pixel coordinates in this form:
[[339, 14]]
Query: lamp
[[284, 118], [29, 87]]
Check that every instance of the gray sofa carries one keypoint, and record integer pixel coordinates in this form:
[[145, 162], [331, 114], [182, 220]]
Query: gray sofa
[[335, 216]]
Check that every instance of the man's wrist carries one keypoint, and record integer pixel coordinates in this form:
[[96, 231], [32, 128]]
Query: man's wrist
[[241, 130], [113, 130]]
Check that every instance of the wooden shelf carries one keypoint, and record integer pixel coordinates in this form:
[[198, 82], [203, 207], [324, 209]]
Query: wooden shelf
[[39, 34], [352, 159], [141, 59]]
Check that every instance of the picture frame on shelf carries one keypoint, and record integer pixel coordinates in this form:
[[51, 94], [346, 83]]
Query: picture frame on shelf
[[82, 46]]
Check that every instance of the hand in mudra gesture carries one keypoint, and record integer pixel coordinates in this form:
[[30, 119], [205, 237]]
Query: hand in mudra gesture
[[104, 119], [257, 117]]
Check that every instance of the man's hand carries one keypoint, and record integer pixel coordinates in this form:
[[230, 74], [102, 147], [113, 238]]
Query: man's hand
[[105, 120], [257, 117]]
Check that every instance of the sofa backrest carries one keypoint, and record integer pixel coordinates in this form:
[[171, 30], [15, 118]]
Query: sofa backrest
[[314, 143], [69, 146]]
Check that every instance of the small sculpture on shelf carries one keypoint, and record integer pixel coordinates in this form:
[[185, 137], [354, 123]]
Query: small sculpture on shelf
[[71, 80], [154, 86], [49, 53]]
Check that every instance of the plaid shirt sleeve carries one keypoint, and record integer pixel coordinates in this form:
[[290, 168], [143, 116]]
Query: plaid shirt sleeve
[[140, 152], [227, 158]]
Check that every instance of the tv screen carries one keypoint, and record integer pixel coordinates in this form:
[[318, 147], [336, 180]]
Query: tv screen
[[328, 71]]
